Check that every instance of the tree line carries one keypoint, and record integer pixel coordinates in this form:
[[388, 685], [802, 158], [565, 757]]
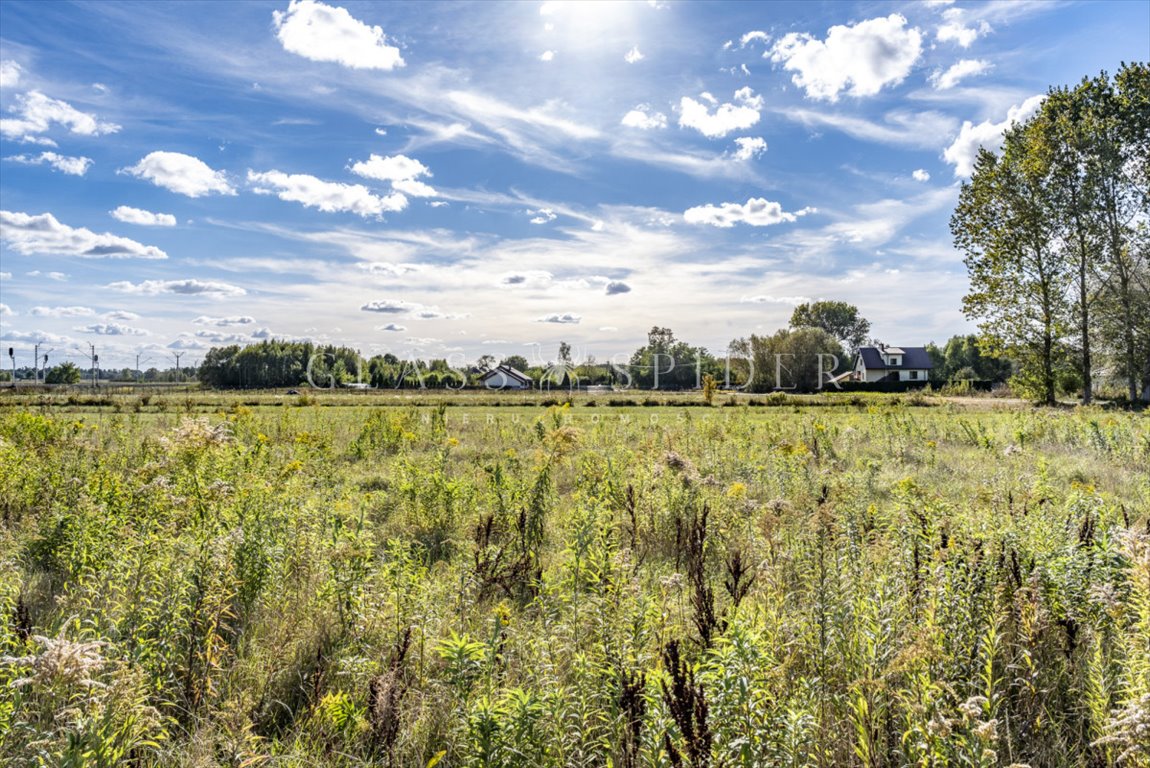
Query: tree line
[[1055, 228]]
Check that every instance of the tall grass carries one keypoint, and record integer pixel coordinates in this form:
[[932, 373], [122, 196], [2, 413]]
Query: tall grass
[[876, 585]]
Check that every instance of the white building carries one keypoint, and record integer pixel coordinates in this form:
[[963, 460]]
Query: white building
[[883, 363]]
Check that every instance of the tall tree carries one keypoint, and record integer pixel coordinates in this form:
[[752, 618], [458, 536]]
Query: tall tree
[[1018, 280], [837, 318]]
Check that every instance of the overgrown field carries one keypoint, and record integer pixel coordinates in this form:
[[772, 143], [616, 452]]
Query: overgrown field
[[867, 585]]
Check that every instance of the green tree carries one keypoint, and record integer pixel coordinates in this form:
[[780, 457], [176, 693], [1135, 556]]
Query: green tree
[[518, 362], [796, 358], [667, 363], [1018, 278], [64, 373], [837, 318]]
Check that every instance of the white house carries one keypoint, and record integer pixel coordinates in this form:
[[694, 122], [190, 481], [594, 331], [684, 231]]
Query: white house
[[883, 363], [506, 377]]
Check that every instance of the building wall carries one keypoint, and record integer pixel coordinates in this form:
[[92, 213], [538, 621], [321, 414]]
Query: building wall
[[500, 380]]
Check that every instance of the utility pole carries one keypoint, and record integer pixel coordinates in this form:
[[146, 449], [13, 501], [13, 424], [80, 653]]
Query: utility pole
[[94, 359], [139, 373], [36, 362], [177, 355]]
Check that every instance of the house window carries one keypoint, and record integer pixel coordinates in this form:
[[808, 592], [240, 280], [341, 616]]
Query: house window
[[914, 374]]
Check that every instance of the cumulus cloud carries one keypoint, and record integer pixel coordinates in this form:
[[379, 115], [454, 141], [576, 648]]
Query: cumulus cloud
[[73, 166], [37, 337], [112, 329], [9, 74], [530, 279], [409, 309], [542, 215], [223, 322], [328, 33], [6, 311], [920, 175], [121, 314], [749, 147], [547, 56], [866, 57], [130, 215], [180, 173], [959, 71], [562, 318], [327, 196], [645, 118], [757, 212], [400, 170], [37, 113], [391, 328], [634, 55], [956, 31], [43, 235], [963, 151], [218, 337], [188, 287], [62, 311], [615, 287], [741, 113]]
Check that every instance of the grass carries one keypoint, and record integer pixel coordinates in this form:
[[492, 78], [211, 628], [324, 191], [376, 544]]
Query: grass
[[194, 581]]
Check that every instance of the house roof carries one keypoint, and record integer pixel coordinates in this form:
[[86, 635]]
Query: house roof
[[912, 357], [509, 372]]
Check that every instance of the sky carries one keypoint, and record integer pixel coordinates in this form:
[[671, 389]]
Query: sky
[[461, 179]]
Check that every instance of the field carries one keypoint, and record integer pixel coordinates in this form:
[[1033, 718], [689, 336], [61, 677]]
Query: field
[[195, 581]]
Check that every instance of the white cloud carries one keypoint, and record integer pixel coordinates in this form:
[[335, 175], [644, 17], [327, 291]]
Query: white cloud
[[749, 147], [328, 33], [73, 166], [391, 328], [742, 113], [130, 215], [188, 287], [37, 113], [327, 196], [958, 71], [757, 212], [180, 173], [963, 151], [920, 175], [400, 170], [562, 318], [9, 74], [5, 275], [547, 56], [643, 117], [753, 36], [899, 127], [6, 311], [634, 55], [223, 322], [542, 215], [764, 299], [57, 276], [62, 312], [112, 329], [42, 234], [409, 309], [37, 337], [121, 314], [867, 56], [954, 30], [217, 337]]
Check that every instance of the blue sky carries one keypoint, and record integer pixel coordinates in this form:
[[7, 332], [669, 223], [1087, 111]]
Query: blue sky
[[482, 178]]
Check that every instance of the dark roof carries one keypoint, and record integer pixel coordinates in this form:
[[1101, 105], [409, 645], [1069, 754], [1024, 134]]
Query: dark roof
[[509, 371], [912, 357]]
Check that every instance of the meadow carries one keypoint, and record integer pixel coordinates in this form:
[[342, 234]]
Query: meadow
[[211, 580]]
